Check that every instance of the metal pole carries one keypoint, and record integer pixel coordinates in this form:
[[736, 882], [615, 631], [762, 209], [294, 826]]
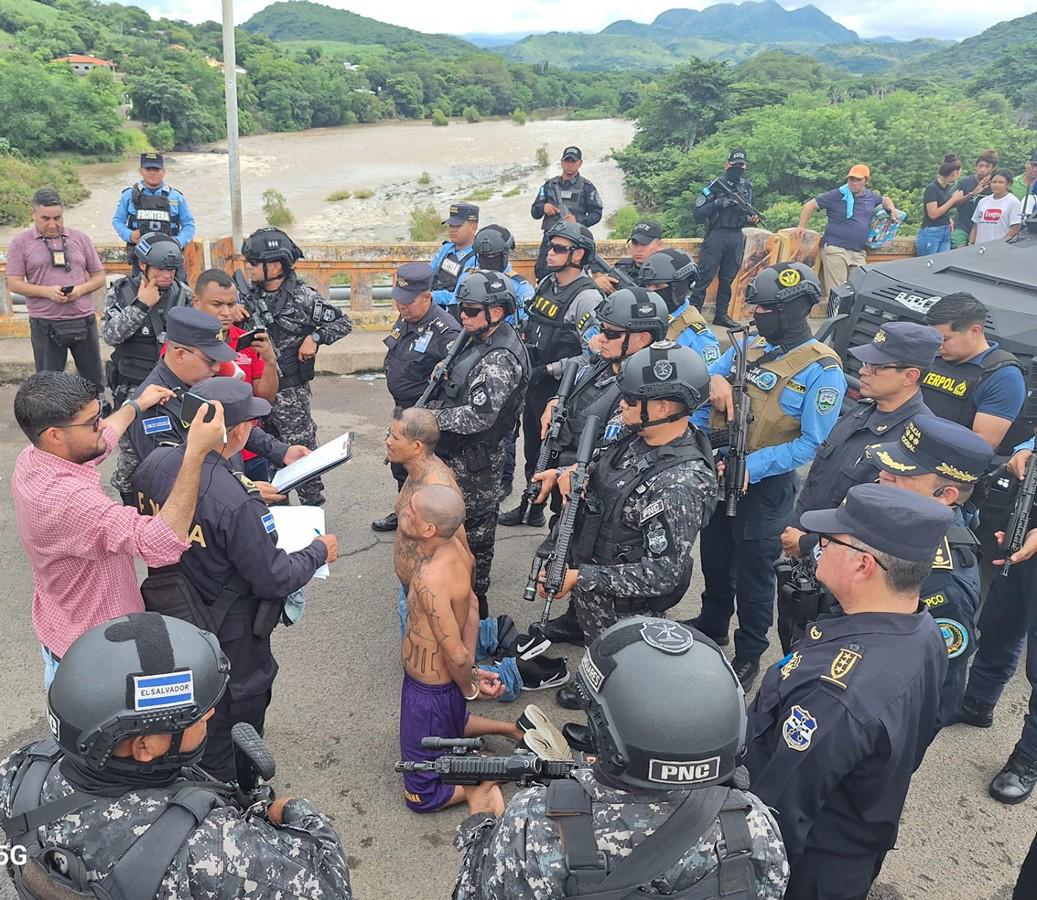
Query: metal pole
[[231, 96]]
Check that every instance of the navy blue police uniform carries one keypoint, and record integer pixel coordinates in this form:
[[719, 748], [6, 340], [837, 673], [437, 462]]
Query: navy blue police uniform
[[577, 196], [841, 723], [234, 565]]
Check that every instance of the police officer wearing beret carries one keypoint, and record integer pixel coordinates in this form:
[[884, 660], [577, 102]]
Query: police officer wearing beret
[[891, 366], [420, 338], [152, 207], [841, 723], [568, 197], [663, 782], [456, 256], [194, 350], [114, 804], [235, 577], [795, 387], [945, 460]]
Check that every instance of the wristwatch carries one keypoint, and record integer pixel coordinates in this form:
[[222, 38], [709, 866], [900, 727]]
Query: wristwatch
[[316, 336]]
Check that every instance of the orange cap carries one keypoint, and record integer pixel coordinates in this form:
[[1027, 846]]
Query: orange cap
[[859, 171]]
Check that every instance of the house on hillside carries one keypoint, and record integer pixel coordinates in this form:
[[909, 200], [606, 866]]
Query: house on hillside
[[216, 64], [81, 65]]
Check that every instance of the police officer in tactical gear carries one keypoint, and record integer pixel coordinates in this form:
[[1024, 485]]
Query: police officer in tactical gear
[[456, 257], [568, 197], [945, 460], [648, 495], [476, 407], [721, 253], [645, 239], [665, 767], [671, 273], [419, 340], [135, 313], [150, 207], [233, 580], [795, 388], [560, 321], [114, 804], [298, 321], [841, 722]]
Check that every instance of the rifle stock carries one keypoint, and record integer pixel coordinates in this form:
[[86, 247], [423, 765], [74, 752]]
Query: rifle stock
[[1019, 520]]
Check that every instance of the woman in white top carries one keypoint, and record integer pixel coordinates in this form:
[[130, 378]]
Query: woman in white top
[[998, 216]]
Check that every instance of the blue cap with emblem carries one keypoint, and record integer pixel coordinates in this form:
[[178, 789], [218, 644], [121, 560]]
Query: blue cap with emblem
[[152, 161], [462, 212], [412, 280], [239, 403], [888, 519], [572, 153], [190, 327], [645, 233], [901, 343], [930, 444]]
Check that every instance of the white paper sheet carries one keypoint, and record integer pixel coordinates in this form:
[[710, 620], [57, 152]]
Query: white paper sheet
[[297, 526]]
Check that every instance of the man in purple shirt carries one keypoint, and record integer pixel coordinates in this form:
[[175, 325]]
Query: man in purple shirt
[[849, 209], [57, 270]]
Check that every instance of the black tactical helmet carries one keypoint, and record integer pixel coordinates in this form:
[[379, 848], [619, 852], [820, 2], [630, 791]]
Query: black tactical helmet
[[686, 732], [580, 235], [491, 240], [270, 245], [140, 674], [159, 250], [488, 288], [634, 309], [777, 285], [672, 267], [665, 371]]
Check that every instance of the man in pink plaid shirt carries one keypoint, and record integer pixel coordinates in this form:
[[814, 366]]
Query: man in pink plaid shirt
[[81, 543]]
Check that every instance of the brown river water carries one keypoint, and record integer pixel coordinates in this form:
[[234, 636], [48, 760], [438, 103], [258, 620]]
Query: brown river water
[[386, 158]]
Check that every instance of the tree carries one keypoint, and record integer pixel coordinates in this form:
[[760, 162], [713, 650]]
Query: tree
[[684, 106]]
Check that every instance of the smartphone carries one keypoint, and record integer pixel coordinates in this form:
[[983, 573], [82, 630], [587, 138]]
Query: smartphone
[[191, 404], [68, 289], [248, 337]]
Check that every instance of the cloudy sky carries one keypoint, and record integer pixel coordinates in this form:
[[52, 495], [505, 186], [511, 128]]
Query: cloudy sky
[[869, 18]]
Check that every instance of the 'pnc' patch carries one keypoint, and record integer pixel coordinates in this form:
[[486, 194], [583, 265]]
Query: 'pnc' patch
[[667, 771], [163, 691]]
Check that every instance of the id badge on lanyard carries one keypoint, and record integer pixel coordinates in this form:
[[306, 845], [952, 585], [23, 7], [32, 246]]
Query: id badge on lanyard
[[59, 255]]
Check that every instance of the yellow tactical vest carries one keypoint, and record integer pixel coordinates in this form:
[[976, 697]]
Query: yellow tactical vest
[[690, 318]]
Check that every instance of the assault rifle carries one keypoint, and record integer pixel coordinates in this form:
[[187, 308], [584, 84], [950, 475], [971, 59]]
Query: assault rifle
[[464, 769], [1019, 520], [557, 200], [731, 194], [618, 275], [442, 369], [738, 427], [549, 446], [557, 561]]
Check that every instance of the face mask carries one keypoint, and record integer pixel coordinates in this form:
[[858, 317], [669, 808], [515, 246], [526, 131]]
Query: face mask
[[734, 174], [769, 325]]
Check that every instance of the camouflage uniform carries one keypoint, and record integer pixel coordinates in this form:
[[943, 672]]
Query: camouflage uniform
[[667, 514], [232, 853], [290, 314], [520, 855]]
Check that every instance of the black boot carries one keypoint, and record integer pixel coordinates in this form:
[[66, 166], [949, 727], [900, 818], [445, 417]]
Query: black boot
[[721, 640], [579, 737], [565, 629], [569, 697], [725, 321], [389, 523], [746, 671], [976, 714], [516, 516], [1014, 783]]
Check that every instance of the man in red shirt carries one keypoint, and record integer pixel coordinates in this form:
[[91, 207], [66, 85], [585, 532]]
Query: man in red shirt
[[80, 543], [216, 294]]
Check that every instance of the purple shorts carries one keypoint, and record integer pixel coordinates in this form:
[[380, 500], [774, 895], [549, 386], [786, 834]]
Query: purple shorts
[[428, 710]]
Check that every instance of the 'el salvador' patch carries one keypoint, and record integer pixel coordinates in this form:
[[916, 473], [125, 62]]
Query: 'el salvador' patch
[[163, 691], [157, 425], [268, 522]]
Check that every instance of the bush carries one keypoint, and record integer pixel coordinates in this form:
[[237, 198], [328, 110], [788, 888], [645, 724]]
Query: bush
[[518, 117], [471, 114], [425, 179], [21, 178], [276, 210], [542, 161], [514, 192], [622, 222], [439, 118], [363, 194], [160, 135], [425, 224], [479, 195], [335, 196], [137, 142]]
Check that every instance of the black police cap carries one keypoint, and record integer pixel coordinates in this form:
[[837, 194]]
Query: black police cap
[[190, 327], [930, 444], [239, 403]]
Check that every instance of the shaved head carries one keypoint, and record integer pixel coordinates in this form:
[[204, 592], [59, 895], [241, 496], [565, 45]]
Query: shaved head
[[440, 506], [418, 425]]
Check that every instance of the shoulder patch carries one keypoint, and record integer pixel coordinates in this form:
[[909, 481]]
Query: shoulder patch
[[247, 483], [955, 636], [652, 509], [844, 663], [944, 559], [934, 601], [157, 425], [827, 400], [711, 353], [798, 729], [268, 522], [796, 386]]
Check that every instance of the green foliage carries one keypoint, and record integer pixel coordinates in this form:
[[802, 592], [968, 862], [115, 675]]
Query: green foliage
[[20, 178], [137, 142], [513, 192], [622, 222], [542, 159], [684, 106], [363, 194], [425, 179], [471, 114], [160, 135], [518, 116], [275, 208], [425, 224], [439, 118], [335, 196], [479, 195]]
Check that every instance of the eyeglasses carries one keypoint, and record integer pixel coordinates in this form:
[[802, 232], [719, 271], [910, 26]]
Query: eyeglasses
[[825, 539], [874, 368], [611, 335], [94, 424], [470, 312], [559, 248]]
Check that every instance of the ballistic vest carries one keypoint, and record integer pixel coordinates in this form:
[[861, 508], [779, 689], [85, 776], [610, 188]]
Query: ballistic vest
[[450, 268], [136, 356], [546, 334], [594, 395], [690, 318], [152, 212]]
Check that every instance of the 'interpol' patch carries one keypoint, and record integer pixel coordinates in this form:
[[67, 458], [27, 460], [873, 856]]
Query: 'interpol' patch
[[163, 691], [798, 729], [157, 425], [268, 522]]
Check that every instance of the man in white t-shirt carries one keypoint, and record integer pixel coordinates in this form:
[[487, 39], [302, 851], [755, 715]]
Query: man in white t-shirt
[[998, 216]]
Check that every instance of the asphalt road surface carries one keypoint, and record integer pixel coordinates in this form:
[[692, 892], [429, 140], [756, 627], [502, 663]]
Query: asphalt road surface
[[334, 718]]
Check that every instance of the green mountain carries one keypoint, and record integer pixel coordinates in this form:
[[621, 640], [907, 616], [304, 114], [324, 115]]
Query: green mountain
[[762, 22], [299, 20], [876, 57], [976, 53]]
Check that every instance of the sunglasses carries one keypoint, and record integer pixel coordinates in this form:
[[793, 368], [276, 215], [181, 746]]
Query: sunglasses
[[94, 424], [825, 539], [611, 335], [559, 248], [470, 312]]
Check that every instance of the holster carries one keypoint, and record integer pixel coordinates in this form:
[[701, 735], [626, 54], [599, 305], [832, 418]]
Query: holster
[[588, 526], [294, 372], [477, 458]]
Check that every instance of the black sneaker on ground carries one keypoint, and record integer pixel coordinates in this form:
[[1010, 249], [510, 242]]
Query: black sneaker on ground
[[569, 697], [1014, 783], [721, 640], [579, 737], [543, 672], [565, 629], [725, 321], [389, 523], [975, 714], [746, 671]]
